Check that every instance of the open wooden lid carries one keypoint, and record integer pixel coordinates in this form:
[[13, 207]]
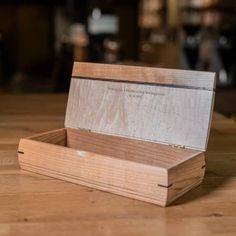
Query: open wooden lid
[[160, 105]]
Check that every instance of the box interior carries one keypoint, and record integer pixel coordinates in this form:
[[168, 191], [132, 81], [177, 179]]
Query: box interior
[[145, 152]]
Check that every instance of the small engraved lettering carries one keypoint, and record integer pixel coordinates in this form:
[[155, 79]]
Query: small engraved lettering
[[136, 93]]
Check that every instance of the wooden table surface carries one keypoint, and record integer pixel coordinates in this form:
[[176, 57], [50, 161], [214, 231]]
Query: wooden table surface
[[31, 204]]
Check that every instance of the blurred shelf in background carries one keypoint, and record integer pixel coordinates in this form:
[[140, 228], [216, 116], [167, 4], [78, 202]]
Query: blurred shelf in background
[[39, 41]]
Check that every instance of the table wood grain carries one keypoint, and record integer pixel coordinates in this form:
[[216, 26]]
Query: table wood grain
[[31, 204]]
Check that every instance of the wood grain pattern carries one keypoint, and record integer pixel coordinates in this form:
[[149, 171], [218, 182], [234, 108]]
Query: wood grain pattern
[[186, 176], [93, 170], [169, 115], [130, 168], [149, 153], [57, 137], [174, 114], [194, 79], [33, 204]]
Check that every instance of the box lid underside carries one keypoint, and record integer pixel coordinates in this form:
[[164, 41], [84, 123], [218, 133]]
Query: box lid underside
[[159, 105]]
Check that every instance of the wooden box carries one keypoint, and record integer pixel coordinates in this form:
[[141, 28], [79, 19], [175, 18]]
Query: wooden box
[[134, 131]]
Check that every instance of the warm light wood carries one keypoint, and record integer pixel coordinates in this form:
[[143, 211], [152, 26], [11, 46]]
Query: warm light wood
[[104, 121], [138, 169], [128, 149], [191, 79], [171, 115], [57, 137], [95, 170], [32, 204]]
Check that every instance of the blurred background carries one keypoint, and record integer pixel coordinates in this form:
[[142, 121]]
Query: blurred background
[[39, 40]]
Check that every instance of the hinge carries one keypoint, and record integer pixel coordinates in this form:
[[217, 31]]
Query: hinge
[[86, 130], [177, 146]]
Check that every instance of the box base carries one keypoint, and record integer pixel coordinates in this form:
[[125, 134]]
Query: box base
[[146, 171]]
